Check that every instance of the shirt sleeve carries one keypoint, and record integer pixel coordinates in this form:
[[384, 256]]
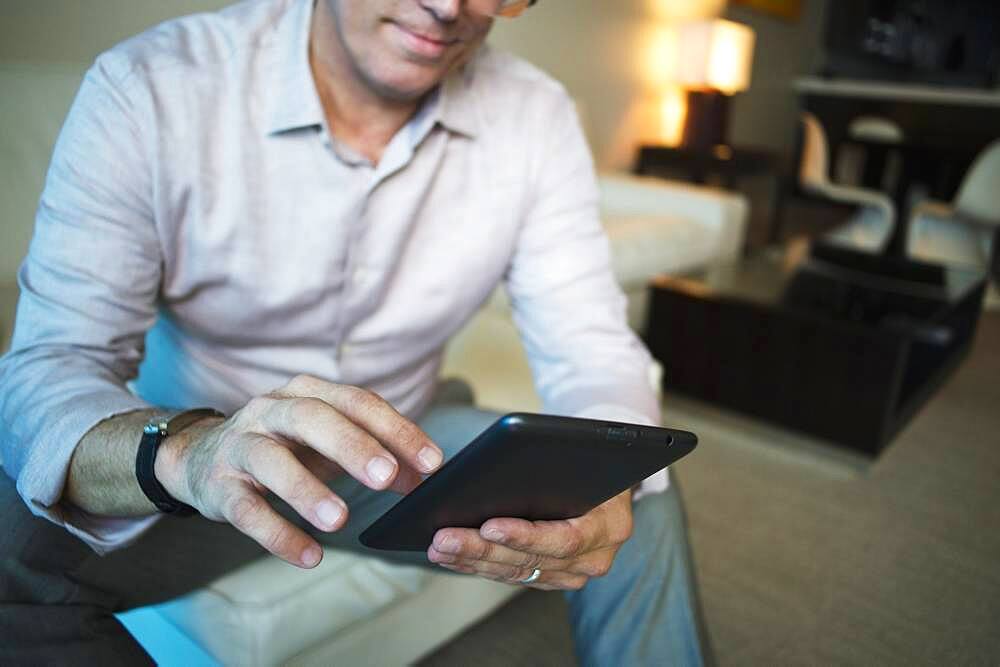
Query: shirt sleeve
[[567, 305], [88, 295]]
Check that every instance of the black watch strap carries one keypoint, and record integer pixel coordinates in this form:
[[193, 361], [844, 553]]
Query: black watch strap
[[154, 433]]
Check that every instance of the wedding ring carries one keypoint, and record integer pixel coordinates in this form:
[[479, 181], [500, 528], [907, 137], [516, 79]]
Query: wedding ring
[[533, 578]]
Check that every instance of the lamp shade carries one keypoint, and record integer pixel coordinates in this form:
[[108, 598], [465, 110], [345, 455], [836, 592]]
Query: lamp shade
[[715, 55]]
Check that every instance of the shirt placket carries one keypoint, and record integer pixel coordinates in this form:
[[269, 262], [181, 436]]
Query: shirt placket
[[356, 289], [361, 273]]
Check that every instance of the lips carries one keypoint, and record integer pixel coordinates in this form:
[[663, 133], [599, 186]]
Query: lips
[[422, 44]]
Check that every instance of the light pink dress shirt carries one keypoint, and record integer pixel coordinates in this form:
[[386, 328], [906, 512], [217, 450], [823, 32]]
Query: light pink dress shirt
[[196, 194]]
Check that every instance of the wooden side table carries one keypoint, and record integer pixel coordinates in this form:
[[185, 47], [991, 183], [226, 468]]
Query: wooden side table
[[822, 345]]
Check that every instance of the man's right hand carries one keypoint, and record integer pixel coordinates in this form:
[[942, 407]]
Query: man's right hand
[[288, 442]]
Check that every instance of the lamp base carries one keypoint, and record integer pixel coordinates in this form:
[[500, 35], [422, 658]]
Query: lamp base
[[707, 119]]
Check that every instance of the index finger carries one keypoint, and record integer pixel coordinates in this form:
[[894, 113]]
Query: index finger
[[376, 416]]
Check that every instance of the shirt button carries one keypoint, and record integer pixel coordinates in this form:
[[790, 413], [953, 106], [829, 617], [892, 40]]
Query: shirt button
[[360, 276]]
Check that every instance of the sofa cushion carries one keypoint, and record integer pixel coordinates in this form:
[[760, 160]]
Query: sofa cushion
[[268, 611], [643, 246]]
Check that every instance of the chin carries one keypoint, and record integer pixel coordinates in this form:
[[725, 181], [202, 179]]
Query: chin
[[406, 82]]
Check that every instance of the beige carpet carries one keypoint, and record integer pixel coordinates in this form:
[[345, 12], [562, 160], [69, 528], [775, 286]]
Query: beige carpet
[[806, 555]]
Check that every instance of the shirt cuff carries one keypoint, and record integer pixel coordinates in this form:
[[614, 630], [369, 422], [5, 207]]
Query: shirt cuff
[[655, 483], [104, 534], [42, 481]]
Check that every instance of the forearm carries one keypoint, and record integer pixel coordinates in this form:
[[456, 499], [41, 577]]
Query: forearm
[[101, 478]]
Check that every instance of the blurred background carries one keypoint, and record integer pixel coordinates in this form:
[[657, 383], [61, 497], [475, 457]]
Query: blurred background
[[803, 199]]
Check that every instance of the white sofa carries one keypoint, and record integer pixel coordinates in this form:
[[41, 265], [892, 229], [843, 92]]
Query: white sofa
[[350, 608]]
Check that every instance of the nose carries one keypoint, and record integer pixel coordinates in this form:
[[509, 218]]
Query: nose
[[444, 11]]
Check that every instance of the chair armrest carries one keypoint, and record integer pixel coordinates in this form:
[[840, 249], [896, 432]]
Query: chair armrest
[[857, 196], [938, 232], [930, 208], [725, 211]]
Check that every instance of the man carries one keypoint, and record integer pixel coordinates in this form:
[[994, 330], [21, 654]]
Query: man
[[299, 202]]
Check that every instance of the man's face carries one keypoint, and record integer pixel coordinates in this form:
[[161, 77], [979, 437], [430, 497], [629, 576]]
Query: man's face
[[403, 48]]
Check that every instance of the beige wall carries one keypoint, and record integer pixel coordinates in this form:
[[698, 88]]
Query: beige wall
[[74, 31], [766, 114], [610, 55]]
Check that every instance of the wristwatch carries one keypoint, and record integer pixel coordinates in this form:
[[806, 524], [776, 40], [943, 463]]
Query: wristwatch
[[154, 433]]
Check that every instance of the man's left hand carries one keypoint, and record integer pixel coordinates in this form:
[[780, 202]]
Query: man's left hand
[[568, 553]]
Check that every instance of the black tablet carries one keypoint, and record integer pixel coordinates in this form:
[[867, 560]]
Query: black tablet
[[535, 467]]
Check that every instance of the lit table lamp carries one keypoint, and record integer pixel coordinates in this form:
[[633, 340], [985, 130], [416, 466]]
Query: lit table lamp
[[713, 62]]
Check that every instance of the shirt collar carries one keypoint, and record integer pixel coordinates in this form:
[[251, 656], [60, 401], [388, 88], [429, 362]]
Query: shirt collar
[[293, 102], [457, 109]]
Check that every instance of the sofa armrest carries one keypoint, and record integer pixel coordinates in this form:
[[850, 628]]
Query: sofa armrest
[[722, 210]]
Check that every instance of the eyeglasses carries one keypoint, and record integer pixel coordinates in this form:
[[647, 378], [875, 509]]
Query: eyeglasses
[[503, 8]]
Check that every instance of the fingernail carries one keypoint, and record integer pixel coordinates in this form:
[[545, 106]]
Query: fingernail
[[449, 545], [493, 535], [328, 512], [380, 469], [311, 556], [430, 458]]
